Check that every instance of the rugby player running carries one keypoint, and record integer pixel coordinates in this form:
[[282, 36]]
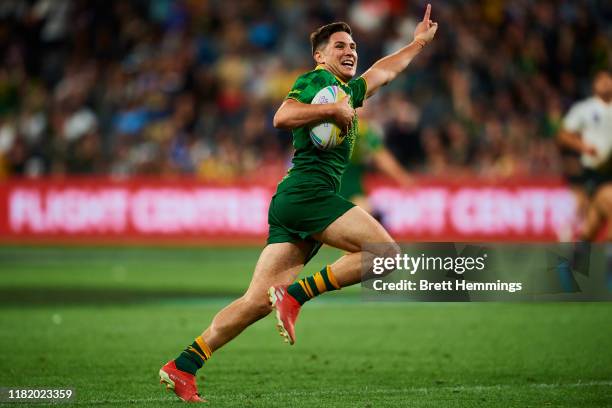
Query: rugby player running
[[307, 210]]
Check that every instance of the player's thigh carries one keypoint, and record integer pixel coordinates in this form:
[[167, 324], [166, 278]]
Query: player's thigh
[[581, 197], [603, 198], [354, 229], [278, 264]]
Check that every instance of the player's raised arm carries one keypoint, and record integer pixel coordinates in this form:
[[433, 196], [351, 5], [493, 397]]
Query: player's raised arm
[[293, 114], [387, 68]]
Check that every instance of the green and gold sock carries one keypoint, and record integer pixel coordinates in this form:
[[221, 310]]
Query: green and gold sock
[[193, 357], [307, 288]]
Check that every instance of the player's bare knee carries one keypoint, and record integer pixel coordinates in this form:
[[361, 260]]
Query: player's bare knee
[[388, 250], [377, 254], [394, 250]]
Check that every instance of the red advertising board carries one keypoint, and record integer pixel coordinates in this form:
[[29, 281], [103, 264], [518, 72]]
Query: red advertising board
[[477, 210], [183, 211]]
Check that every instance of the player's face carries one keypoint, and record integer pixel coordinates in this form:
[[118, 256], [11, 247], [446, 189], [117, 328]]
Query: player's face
[[603, 86], [339, 56]]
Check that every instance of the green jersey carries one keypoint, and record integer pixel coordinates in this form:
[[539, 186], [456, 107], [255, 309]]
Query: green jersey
[[313, 167]]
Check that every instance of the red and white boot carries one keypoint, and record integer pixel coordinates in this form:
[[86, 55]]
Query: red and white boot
[[182, 383], [287, 311]]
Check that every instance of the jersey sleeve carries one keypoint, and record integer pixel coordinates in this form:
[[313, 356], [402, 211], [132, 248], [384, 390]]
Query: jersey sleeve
[[573, 121], [307, 86], [359, 88]]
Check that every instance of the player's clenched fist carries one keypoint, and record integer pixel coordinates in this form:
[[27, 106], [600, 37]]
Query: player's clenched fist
[[343, 113]]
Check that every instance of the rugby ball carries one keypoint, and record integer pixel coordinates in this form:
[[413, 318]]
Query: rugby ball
[[327, 135]]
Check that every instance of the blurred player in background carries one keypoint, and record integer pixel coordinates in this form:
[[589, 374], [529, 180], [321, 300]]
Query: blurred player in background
[[587, 130], [370, 151], [307, 210]]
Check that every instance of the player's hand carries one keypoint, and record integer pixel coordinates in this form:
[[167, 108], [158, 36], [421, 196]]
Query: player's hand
[[343, 113], [426, 29]]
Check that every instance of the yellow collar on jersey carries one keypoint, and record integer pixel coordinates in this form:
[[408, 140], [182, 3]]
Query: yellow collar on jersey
[[322, 67]]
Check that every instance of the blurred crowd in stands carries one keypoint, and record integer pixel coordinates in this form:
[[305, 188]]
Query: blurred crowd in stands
[[169, 88]]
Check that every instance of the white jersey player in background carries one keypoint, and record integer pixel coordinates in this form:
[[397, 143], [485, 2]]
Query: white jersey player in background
[[587, 130]]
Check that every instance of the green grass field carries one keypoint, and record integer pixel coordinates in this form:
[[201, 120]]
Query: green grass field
[[103, 320]]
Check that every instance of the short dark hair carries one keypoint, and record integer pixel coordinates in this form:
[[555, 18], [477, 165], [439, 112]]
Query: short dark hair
[[321, 35]]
